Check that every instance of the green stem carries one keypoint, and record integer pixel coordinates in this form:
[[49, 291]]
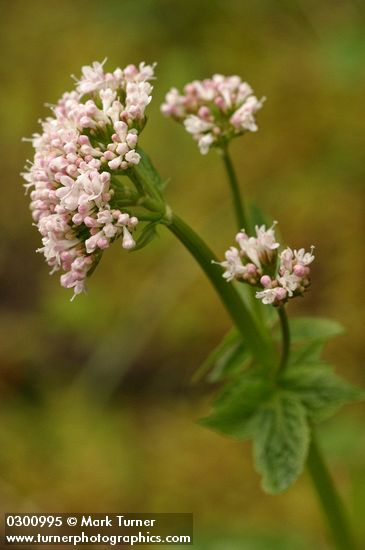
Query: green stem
[[240, 314], [285, 331], [329, 499], [239, 208]]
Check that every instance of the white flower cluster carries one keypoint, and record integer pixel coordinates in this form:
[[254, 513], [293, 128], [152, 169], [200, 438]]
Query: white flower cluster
[[92, 135], [214, 110], [257, 262]]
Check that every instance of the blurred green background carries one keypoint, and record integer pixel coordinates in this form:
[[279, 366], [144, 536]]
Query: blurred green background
[[97, 412]]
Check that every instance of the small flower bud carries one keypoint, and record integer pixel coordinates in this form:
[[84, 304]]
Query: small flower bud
[[127, 241], [299, 270], [280, 293], [265, 281]]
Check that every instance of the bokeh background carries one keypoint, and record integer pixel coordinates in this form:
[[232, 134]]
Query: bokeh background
[[97, 411]]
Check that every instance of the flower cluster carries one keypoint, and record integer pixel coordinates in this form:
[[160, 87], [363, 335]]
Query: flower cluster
[[257, 262], [90, 138], [214, 110]]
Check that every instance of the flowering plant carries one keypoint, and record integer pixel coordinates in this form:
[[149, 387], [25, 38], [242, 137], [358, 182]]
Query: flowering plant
[[91, 183]]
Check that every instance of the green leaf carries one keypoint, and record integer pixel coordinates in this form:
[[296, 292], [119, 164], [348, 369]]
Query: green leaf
[[281, 440], [314, 328], [148, 172], [233, 361], [229, 357], [238, 402], [309, 353], [228, 342], [320, 390], [146, 236]]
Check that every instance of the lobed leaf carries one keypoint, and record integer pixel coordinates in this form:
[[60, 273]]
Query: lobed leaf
[[237, 404], [320, 390], [281, 441], [229, 356], [307, 354], [230, 363], [314, 328]]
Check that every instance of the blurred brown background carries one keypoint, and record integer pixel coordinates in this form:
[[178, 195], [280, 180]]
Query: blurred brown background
[[97, 410]]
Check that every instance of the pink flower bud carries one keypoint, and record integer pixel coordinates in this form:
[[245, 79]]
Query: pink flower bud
[[115, 163], [87, 122], [66, 256], [122, 149], [265, 281], [280, 293], [90, 222], [219, 101], [251, 269], [299, 270], [109, 155], [77, 219], [241, 236], [71, 170], [84, 140], [132, 140], [103, 243], [123, 219], [127, 241], [189, 89], [83, 209], [204, 112], [130, 71]]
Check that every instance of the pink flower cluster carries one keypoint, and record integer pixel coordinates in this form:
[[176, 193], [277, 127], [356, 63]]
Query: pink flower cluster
[[214, 110], [257, 263], [91, 136]]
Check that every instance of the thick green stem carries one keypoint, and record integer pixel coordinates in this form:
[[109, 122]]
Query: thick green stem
[[255, 338], [330, 499], [285, 350], [239, 207]]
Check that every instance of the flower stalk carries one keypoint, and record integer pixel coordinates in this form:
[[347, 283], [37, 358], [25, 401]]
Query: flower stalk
[[238, 204], [285, 332]]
